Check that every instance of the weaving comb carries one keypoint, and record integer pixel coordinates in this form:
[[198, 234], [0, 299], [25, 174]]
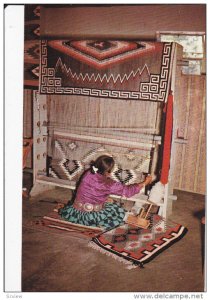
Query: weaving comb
[[140, 220]]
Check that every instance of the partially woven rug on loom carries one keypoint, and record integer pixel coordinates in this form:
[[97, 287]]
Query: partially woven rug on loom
[[54, 222], [71, 157], [134, 246]]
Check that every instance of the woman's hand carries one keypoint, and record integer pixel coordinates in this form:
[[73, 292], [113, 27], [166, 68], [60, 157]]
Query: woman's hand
[[147, 181]]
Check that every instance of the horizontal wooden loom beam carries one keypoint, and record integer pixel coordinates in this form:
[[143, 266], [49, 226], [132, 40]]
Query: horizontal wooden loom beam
[[117, 142], [146, 131], [71, 185], [107, 132]]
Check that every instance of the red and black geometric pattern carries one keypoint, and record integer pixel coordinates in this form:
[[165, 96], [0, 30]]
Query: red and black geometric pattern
[[31, 46], [32, 51], [137, 245], [109, 69], [102, 54], [32, 32], [32, 12]]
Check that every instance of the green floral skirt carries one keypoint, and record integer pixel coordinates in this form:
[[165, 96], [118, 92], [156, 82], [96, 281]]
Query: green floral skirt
[[111, 216]]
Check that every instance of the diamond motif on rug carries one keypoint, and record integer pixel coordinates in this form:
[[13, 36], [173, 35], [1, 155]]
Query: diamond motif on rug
[[101, 54], [102, 46], [135, 246], [66, 169], [123, 176]]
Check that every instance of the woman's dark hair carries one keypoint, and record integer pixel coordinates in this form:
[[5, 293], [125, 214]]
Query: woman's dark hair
[[102, 164]]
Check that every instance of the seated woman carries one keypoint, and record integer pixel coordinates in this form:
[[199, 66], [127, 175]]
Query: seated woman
[[90, 207]]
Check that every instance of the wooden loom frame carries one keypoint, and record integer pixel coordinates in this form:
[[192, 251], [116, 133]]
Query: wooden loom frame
[[42, 183]]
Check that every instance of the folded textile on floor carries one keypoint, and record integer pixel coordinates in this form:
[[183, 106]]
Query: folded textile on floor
[[135, 246]]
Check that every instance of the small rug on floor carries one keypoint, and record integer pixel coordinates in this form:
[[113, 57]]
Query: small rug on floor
[[134, 246], [54, 221]]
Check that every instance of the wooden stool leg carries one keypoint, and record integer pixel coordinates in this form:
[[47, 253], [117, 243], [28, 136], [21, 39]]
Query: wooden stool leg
[[148, 210]]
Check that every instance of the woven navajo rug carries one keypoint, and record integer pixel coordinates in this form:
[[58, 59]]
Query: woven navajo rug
[[71, 157], [106, 69], [134, 246], [31, 46], [54, 222]]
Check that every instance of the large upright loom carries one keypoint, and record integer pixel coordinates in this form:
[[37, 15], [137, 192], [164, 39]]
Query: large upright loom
[[104, 97]]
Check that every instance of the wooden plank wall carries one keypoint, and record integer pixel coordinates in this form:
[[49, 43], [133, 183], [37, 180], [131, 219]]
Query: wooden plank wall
[[120, 21], [190, 148]]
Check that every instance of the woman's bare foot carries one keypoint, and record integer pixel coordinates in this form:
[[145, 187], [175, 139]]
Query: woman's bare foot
[[58, 206]]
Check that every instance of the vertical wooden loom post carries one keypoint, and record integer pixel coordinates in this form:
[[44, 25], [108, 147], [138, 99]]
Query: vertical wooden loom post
[[168, 195], [40, 140]]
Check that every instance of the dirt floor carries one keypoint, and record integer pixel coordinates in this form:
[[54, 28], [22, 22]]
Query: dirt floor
[[57, 262]]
